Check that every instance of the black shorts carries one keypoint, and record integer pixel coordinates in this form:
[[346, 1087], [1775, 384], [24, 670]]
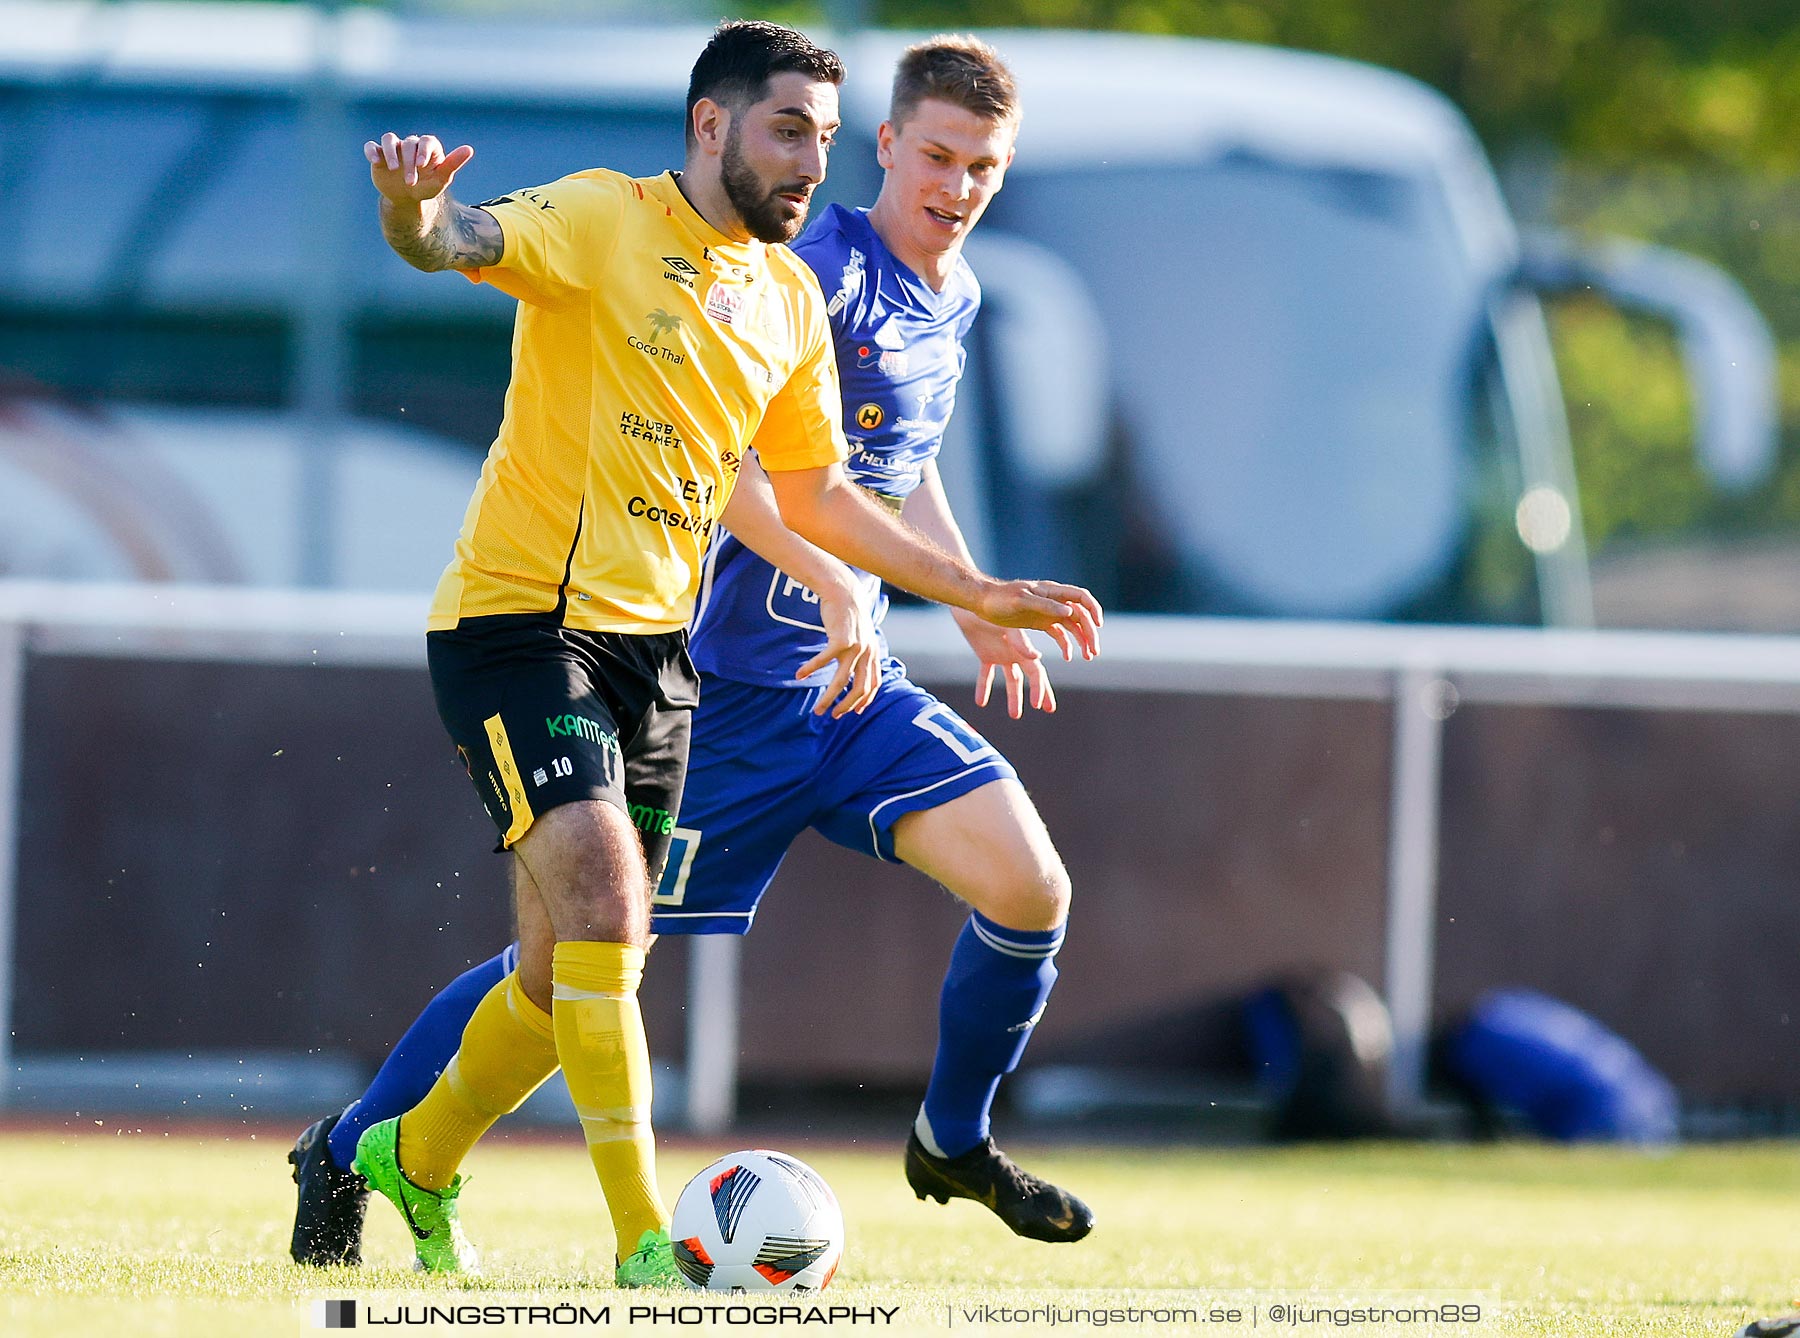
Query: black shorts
[[544, 715]]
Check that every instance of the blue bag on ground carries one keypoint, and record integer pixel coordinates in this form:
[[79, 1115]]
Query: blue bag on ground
[[1565, 1074]]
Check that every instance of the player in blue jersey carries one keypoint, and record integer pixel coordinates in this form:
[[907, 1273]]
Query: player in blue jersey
[[888, 769]]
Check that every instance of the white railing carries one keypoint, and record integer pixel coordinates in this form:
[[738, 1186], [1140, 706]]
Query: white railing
[[1424, 671]]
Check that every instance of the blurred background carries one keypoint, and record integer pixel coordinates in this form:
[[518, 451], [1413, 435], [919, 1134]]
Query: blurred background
[[1426, 377]]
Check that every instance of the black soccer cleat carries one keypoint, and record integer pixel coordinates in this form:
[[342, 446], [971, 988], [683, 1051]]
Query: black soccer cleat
[[1032, 1207], [328, 1220], [1785, 1327]]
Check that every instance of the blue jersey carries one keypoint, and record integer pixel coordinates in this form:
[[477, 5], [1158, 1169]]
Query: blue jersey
[[899, 356]]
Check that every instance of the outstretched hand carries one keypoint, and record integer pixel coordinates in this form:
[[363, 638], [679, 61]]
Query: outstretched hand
[[414, 169], [1008, 652], [1070, 615]]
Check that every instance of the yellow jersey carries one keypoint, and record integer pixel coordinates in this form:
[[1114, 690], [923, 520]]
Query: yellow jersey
[[648, 350]]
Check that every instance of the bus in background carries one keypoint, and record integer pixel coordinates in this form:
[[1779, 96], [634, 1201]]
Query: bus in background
[[1261, 337]]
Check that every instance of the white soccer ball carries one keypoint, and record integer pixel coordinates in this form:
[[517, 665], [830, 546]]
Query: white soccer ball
[[758, 1222]]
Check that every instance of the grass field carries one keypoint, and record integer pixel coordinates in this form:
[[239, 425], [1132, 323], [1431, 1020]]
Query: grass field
[[113, 1232]]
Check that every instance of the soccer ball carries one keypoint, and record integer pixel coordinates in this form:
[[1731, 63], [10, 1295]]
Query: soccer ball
[[758, 1222]]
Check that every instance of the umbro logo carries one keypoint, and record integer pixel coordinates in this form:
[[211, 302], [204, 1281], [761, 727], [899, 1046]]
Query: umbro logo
[[679, 271], [677, 263]]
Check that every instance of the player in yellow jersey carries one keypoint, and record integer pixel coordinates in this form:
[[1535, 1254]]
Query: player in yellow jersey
[[661, 326]]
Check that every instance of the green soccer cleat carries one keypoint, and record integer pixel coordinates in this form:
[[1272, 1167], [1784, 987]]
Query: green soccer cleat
[[439, 1245], [652, 1264]]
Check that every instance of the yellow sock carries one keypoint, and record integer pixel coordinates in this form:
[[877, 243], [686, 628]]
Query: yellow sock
[[606, 1062], [508, 1049]]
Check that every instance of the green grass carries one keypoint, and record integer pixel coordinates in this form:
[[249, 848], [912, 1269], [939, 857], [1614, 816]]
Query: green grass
[[105, 1232]]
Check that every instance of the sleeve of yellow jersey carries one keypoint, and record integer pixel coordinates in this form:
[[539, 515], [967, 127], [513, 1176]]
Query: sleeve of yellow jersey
[[557, 238], [803, 427]]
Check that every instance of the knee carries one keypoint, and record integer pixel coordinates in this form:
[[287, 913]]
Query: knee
[[1033, 898]]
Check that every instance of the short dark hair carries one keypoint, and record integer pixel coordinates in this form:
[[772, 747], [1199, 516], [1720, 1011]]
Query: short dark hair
[[961, 70], [744, 54]]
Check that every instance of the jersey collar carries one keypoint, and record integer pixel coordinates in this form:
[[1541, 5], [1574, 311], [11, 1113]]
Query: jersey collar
[[665, 189], [922, 294]]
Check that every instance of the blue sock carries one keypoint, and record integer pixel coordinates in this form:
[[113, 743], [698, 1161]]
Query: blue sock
[[414, 1064], [993, 993]]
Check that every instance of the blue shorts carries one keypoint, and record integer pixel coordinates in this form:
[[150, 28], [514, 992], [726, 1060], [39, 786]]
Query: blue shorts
[[762, 769]]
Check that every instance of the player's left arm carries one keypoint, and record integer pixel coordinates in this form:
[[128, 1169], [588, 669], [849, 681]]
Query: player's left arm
[[1007, 651]]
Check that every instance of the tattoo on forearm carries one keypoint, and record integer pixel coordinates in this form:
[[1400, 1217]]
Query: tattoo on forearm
[[454, 237]]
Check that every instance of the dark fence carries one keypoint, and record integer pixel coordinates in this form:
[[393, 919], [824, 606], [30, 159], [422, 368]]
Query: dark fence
[[226, 857]]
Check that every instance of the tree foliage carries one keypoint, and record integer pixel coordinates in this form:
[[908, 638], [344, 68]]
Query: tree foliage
[[1622, 79]]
